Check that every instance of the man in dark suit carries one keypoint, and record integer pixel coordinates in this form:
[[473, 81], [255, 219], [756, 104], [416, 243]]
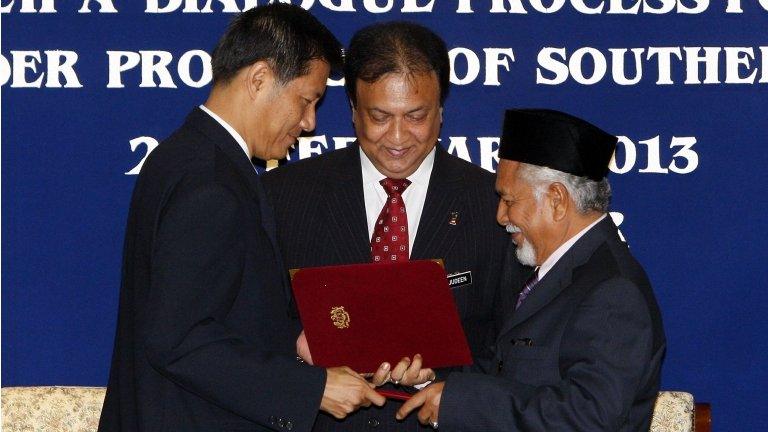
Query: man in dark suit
[[204, 337], [583, 347], [335, 208]]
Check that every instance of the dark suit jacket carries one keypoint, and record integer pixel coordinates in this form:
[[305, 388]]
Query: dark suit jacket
[[582, 353], [320, 210], [204, 339]]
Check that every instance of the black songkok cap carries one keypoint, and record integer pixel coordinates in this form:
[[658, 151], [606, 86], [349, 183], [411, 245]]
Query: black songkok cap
[[556, 140]]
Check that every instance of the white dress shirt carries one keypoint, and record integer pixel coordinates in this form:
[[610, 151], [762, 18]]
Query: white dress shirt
[[550, 262], [413, 197], [229, 129]]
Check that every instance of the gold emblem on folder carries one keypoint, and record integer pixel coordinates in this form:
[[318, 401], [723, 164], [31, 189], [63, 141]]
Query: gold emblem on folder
[[340, 317]]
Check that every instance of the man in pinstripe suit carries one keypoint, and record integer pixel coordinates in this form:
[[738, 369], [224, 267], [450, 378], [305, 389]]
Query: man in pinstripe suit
[[327, 208]]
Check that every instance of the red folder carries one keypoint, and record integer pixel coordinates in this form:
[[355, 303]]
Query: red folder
[[361, 315]]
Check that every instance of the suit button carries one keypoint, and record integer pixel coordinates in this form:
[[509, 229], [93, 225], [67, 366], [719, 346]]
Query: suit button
[[373, 422], [500, 367], [281, 422], [272, 420], [289, 425]]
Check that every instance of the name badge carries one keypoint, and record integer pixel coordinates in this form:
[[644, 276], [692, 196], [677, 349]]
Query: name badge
[[456, 280]]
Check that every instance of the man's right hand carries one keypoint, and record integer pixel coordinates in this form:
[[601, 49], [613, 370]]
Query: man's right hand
[[346, 391], [406, 372]]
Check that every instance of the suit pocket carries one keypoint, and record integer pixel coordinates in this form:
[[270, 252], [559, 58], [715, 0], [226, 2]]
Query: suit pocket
[[525, 352], [533, 365]]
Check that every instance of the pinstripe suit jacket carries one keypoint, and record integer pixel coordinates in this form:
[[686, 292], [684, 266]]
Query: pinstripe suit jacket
[[320, 211]]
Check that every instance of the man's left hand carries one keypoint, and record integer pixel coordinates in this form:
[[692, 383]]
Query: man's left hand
[[429, 401]]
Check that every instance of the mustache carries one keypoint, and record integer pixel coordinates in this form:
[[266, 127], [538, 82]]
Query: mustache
[[512, 229]]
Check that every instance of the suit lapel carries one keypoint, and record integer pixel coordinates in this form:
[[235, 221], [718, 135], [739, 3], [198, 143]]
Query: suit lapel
[[560, 276], [227, 144], [345, 208], [435, 235]]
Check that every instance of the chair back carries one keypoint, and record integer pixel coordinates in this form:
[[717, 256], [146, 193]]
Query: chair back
[[49, 409], [77, 409], [676, 412]]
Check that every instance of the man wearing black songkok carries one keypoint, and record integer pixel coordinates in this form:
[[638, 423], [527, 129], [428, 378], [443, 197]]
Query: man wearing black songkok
[[583, 347]]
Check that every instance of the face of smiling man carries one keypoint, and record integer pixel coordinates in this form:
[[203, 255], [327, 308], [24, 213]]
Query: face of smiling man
[[534, 228], [397, 121]]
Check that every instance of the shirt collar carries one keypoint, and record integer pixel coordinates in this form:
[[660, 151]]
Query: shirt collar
[[420, 176], [550, 262], [230, 129]]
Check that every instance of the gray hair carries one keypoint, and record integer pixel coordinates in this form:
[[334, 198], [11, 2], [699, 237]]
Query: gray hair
[[586, 193]]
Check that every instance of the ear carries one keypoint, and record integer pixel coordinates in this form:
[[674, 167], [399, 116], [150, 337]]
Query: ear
[[258, 77], [441, 115], [559, 200]]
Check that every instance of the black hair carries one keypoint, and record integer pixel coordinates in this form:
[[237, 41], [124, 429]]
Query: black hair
[[396, 46], [285, 36]]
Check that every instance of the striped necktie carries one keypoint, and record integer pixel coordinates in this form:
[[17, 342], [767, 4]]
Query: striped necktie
[[527, 288]]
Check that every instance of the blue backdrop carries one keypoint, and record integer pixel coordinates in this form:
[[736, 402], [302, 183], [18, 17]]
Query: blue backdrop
[[683, 82]]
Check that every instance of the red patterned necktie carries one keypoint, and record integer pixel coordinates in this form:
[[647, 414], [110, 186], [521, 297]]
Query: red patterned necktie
[[389, 242]]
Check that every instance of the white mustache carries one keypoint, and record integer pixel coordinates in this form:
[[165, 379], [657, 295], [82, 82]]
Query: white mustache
[[512, 229]]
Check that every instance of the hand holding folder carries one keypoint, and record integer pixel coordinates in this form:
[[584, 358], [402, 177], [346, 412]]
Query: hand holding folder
[[406, 372], [346, 391]]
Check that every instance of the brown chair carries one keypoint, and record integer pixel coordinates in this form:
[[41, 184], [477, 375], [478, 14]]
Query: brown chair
[[677, 412], [703, 417]]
